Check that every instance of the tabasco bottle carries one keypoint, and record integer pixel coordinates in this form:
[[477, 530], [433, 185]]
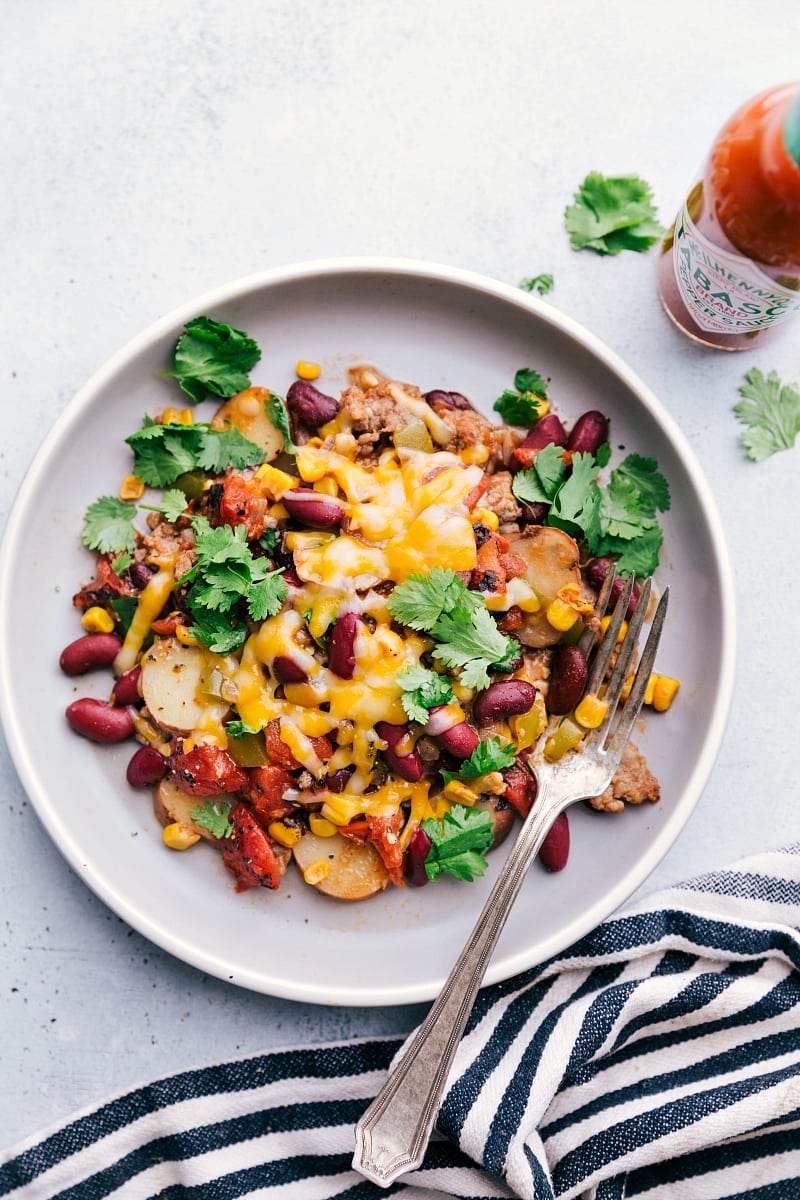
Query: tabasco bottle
[[729, 270]]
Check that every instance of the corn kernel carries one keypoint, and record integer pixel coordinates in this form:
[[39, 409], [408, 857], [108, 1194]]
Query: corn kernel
[[475, 455], [287, 835], [187, 745], [626, 688], [664, 692], [180, 837], [171, 416], [185, 636], [321, 826], [591, 712], [485, 516], [560, 615], [459, 793], [97, 620], [650, 689], [327, 486], [307, 370], [186, 416], [131, 488], [623, 629], [317, 871]]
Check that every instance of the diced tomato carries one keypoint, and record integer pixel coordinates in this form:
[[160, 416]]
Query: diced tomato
[[513, 565], [279, 753], [238, 505], [248, 854], [166, 626], [383, 834], [207, 771], [472, 498], [521, 788], [265, 790]]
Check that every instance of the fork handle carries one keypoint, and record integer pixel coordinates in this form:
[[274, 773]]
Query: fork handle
[[393, 1133]]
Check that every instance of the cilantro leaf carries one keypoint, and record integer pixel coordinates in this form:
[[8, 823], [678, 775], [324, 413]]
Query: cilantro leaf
[[423, 690], [108, 526], [771, 412], [278, 414], [539, 283], [575, 506], [472, 643], [528, 380], [124, 607], [523, 406], [266, 597], [239, 729], [213, 357], [269, 540], [421, 599], [173, 504], [220, 544], [162, 453], [489, 755], [612, 213], [651, 487], [538, 484], [121, 562], [214, 816], [219, 632], [638, 555], [458, 843]]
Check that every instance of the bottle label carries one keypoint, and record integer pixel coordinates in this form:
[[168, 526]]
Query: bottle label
[[724, 291]]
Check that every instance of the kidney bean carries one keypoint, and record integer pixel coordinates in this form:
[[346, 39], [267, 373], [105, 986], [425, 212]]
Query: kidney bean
[[588, 433], [148, 766], [503, 699], [567, 679], [459, 740], [99, 721], [447, 399], [406, 764], [342, 645], [311, 405], [337, 781], [88, 652], [596, 572], [126, 689], [313, 508], [534, 514], [554, 850], [414, 863], [547, 431], [140, 575], [288, 670]]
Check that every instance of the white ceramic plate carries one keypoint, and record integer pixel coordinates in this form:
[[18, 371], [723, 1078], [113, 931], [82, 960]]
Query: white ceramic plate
[[439, 328]]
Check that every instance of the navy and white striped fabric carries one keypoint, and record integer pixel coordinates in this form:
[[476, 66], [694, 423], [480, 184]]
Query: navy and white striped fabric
[[658, 1057]]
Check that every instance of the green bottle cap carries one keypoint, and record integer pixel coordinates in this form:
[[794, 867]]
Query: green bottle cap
[[791, 129]]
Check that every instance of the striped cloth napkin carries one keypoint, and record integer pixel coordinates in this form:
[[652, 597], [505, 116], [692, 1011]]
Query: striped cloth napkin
[[657, 1057]]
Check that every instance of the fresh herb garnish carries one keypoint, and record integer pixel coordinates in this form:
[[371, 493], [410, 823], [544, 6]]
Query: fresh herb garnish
[[125, 608], [121, 562], [539, 283], [489, 755], [458, 843], [618, 519], [771, 412], [458, 620], [108, 527], [527, 402], [213, 357], [214, 816], [423, 690], [163, 452], [610, 214], [239, 729], [278, 414], [269, 540]]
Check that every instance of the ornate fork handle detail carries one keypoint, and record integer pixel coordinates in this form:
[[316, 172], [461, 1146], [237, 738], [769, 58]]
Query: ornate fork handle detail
[[393, 1133]]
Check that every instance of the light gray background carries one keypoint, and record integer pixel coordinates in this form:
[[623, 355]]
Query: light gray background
[[153, 151]]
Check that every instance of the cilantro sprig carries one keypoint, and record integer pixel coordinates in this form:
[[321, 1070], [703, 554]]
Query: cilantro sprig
[[466, 635], [163, 452], [214, 816], [211, 356], [422, 691], [458, 843], [491, 754], [612, 213], [770, 412], [542, 284], [523, 405], [618, 519], [108, 526]]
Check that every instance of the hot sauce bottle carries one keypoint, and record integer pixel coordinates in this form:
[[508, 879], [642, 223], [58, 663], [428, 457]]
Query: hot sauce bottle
[[729, 270]]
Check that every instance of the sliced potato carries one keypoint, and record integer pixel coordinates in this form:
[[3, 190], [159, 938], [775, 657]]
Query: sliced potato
[[247, 413], [553, 563], [171, 804], [171, 682], [356, 871]]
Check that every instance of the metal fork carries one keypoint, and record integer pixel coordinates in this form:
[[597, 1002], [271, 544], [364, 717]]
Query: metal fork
[[392, 1135]]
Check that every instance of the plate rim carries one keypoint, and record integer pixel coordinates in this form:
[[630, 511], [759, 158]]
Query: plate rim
[[422, 270]]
